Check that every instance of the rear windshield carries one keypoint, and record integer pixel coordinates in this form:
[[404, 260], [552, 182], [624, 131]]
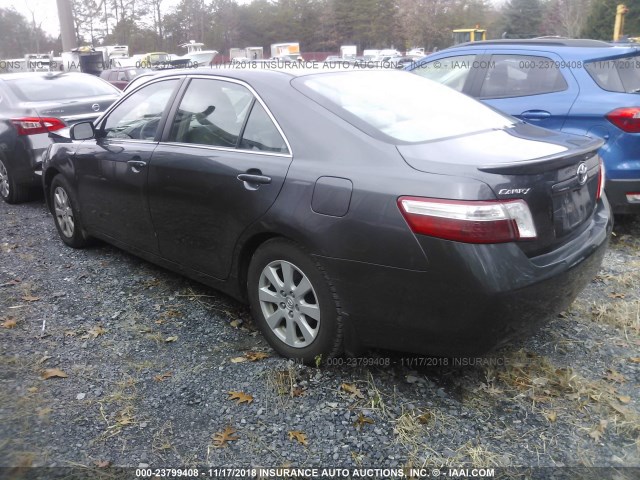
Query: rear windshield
[[399, 106], [42, 88], [620, 75]]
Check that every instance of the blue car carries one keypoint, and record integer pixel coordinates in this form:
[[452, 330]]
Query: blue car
[[585, 87]]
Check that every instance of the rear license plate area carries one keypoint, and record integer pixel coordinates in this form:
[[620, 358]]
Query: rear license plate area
[[571, 208]]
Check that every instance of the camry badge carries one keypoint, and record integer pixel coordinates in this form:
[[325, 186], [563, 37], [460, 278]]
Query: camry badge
[[95, 107], [582, 173]]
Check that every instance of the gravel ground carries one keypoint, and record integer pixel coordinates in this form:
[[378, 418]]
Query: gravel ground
[[150, 357]]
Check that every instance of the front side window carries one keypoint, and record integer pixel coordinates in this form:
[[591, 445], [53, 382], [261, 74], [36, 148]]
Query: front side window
[[451, 71], [138, 117], [521, 76], [212, 112]]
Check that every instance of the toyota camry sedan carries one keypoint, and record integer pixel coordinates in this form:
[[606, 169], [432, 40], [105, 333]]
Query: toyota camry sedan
[[349, 209]]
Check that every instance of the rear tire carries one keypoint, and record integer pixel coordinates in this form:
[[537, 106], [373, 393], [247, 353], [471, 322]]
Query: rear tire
[[10, 191], [293, 303], [65, 214]]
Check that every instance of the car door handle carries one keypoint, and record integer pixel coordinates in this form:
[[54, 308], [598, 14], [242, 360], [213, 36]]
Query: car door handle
[[535, 114], [136, 165], [252, 178]]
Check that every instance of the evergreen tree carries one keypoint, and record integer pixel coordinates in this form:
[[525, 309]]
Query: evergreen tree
[[522, 18]]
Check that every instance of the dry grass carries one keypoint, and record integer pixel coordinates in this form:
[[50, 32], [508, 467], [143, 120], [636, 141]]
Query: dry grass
[[535, 380], [621, 314]]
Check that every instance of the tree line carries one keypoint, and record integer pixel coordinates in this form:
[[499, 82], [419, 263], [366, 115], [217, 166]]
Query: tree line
[[319, 25]]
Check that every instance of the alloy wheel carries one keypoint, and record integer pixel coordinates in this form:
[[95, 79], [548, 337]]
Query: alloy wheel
[[4, 181], [64, 213], [289, 303]]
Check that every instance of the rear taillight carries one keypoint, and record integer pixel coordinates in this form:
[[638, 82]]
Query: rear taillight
[[626, 119], [469, 221], [34, 125]]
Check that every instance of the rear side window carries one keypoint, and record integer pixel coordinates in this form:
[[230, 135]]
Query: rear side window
[[521, 76], [40, 88], [261, 134], [621, 75], [451, 71]]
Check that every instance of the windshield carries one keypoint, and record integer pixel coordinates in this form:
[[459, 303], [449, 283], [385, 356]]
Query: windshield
[[42, 88], [619, 75], [400, 106]]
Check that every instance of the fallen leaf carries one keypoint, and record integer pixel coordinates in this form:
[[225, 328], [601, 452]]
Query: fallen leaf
[[10, 322], [362, 421], [240, 397], [297, 392], [624, 399], [70, 333], [598, 431], [44, 359], [170, 339], [238, 359], [299, 436], [53, 372], [161, 321], [616, 295], [614, 376], [551, 416], [255, 356], [32, 389], [163, 376], [634, 359], [352, 390], [236, 323], [102, 463], [30, 298], [222, 438], [96, 331], [425, 418], [10, 283]]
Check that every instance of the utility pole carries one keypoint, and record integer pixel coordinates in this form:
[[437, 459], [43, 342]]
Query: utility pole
[[65, 15]]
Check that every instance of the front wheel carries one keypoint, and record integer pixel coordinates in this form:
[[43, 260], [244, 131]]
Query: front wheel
[[65, 214], [293, 303]]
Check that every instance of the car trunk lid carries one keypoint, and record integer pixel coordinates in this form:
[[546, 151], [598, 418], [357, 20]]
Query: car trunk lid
[[556, 174], [73, 111]]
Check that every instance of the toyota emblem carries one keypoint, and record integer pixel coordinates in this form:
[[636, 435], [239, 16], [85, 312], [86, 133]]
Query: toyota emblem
[[95, 107], [582, 173]]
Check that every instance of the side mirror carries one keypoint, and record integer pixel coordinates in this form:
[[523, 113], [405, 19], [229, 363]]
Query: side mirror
[[82, 131]]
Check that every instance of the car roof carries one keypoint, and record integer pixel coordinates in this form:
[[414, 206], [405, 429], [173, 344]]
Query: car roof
[[570, 47], [262, 70], [51, 75]]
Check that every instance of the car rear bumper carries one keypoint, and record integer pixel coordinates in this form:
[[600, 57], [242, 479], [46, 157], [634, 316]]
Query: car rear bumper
[[472, 298], [27, 160], [617, 191]]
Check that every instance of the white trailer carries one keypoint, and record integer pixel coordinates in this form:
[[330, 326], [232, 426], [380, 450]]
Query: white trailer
[[348, 52]]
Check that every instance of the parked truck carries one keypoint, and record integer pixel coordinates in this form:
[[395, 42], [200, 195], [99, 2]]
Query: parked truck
[[288, 50], [348, 52], [113, 55], [248, 53]]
